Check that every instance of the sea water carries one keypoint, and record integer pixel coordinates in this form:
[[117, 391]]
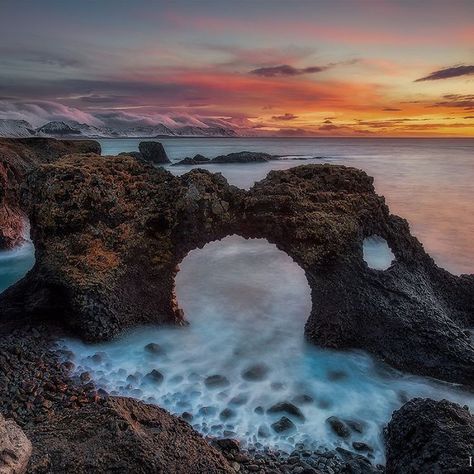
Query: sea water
[[247, 303]]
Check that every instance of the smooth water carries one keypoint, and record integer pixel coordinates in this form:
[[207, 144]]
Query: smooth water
[[247, 303], [429, 182], [377, 253]]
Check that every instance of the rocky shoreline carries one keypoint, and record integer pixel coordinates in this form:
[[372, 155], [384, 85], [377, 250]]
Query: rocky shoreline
[[109, 233]]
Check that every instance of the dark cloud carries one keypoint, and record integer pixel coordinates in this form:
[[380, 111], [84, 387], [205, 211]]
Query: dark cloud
[[286, 116], [391, 109], [448, 72], [465, 101], [327, 121], [286, 70], [469, 117]]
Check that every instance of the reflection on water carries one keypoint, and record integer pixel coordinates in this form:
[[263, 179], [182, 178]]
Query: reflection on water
[[247, 303], [430, 182]]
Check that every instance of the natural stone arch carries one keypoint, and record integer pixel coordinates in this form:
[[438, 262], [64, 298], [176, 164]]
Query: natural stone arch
[[110, 232]]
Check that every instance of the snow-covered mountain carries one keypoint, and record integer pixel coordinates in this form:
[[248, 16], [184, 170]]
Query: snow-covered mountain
[[16, 128], [72, 129]]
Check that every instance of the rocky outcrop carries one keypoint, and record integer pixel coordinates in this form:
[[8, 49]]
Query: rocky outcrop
[[122, 435], [426, 436], [110, 233], [153, 152], [239, 157], [17, 158], [15, 448]]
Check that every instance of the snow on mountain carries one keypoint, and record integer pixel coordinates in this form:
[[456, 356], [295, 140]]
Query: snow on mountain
[[190, 131], [16, 128], [146, 131], [57, 128]]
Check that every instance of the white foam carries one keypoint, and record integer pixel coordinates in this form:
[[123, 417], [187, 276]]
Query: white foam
[[377, 253], [247, 303]]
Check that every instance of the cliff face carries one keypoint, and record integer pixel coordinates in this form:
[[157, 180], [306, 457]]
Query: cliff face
[[110, 233], [17, 158]]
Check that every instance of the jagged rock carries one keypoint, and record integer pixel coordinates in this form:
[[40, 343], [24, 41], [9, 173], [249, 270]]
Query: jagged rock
[[15, 448], [153, 152], [427, 436], [121, 435], [284, 424], [17, 158], [110, 233]]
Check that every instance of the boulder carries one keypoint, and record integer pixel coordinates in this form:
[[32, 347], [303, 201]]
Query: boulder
[[427, 436], [134, 154], [283, 425], [15, 448], [288, 408], [238, 157], [153, 152], [110, 233], [338, 427], [121, 435]]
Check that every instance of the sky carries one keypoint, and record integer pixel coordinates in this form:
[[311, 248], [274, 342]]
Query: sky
[[263, 67]]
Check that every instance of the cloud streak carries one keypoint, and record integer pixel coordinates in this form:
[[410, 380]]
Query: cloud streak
[[286, 70], [448, 73]]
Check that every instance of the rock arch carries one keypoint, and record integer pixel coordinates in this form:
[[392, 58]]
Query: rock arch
[[110, 231]]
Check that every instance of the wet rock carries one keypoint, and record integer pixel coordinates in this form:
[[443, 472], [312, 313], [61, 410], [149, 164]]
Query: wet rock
[[263, 431], [153, 348], [153, 152], [359, 446], [155, 376], [338, 427], [303, 399], [216, 381], [240, 399], [429, 436], [288, 408], [196, 160], [255, 373], [239, 157], [283, 425], [355, 425], [187, 416], [259, 410], [277, 386], [226, 414], [207, 411], [85, 377], [227, 444]]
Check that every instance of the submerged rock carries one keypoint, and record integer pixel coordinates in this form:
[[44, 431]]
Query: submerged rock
[[429, 436], [153, 152], [283, 425], [154, 348], [155, 376], [288, 408], [338, 426], [136, 223], [255, 373], [216, 381]]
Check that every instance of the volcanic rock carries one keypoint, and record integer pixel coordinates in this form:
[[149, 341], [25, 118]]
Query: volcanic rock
[[429, 436], [15, 448], [17, 158], [338, 426], [288, 408], [110, 232], [284, 424], [153, 152], [238, 157]]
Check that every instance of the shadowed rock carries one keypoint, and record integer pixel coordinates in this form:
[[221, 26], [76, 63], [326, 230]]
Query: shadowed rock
[[110, 233], [153, 152], [429, 436], [238, 157], [121, 435], [17, 158]]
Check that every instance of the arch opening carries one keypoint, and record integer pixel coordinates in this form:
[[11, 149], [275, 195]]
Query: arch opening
[[243, 363]]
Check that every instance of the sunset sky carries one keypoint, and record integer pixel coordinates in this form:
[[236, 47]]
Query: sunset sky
[[323, 68]]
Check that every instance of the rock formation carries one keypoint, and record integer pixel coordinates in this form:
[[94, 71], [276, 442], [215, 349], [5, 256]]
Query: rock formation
[[153, 152], [425, 436], [239, 157], [17, 157], [110, 233], [122, 435], [15, 448]]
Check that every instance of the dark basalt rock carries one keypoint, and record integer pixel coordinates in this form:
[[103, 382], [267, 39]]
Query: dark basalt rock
[[239, 157], [338, 426], [153, 152], [427, 436], [255, 373], [134, 154], [17, 158], [216, 381], [288, 408], [284, 424], [110, 233]]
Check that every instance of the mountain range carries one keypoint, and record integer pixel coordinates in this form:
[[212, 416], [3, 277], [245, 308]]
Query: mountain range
[[71, 129]]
